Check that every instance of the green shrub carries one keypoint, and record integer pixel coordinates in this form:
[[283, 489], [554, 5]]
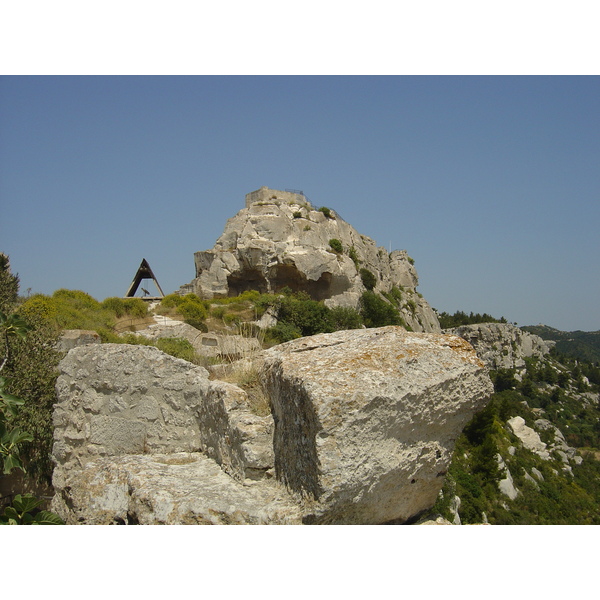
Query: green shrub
[[171, 301], [297, 214], [353, 256], [283, 332], [336, 245], [9, 285], [177, 347], [368, 279], [116, 305], [376, 312], [309, 316], [326, 211], [77, 298], [69, 309], [30, 373], [194, 313], [345, 318], [136, 307]]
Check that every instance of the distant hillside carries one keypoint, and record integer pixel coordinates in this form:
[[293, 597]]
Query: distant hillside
[[583, 345]]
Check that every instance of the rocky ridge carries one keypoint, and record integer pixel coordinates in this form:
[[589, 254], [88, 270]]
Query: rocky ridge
[[502, 345], [280, 240]]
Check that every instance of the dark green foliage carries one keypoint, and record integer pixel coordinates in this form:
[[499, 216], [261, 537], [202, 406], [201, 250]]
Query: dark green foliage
[[583, 345], [178, 347], [345, 318], [25, 510], [9, 285], [31, 372], [411, 305], [557, 499], [298, 316], [396, 295], [368, 279], [327, 212], [459, 318], [376, 312], [308, 316], [283, 332], [336, 245], [503, 379]]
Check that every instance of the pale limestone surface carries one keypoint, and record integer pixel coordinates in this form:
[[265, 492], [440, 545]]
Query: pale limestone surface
[[172, 489], [280, 240], [366, 420], [529, 437], [71, 338], [506, 485], [502, 345]]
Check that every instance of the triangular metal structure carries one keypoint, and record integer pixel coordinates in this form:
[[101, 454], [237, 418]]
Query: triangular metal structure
[[144, 272]]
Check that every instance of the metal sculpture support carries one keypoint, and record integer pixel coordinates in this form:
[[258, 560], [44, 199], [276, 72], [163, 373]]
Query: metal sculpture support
[[144, 272]]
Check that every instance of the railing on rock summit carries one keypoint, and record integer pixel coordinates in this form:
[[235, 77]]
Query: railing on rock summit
[[300, 193]]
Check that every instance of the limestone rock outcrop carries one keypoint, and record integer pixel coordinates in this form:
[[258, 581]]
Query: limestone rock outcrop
[[362, 430], [529, 437], [502, 345], [279, 240]]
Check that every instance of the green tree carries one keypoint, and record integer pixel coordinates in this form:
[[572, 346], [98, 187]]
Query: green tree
[[9, 285], [376, 312]]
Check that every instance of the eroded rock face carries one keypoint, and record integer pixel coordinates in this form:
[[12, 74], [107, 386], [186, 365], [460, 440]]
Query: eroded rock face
[[366, 420], [279, 240], [362, 430], [502, 345]]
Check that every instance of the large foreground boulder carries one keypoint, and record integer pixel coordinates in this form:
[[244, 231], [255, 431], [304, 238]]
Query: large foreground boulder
[[366, 420], [362, 430]]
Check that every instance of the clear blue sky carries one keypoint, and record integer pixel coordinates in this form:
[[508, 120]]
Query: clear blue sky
[[492, 184]]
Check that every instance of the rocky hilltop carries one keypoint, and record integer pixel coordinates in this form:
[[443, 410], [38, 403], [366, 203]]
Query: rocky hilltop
[[280, 240]]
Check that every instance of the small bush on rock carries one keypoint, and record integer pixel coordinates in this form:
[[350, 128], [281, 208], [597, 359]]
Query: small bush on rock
[[336, 245], [368, 279]]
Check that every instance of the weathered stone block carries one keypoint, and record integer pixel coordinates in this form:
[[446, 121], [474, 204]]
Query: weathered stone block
[[366, 420]]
